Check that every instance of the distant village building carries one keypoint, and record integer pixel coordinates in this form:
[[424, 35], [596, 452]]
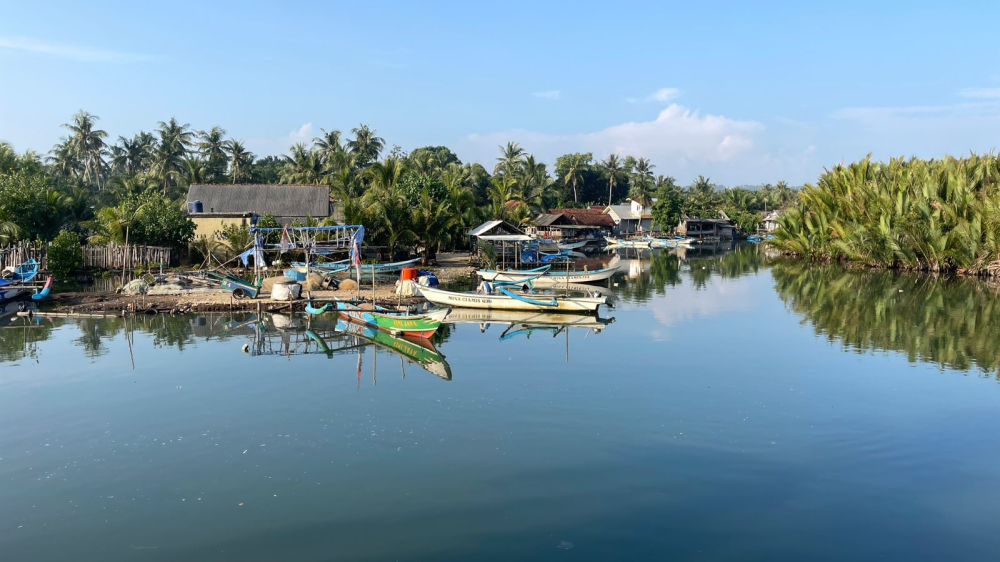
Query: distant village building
[[720, 229], [633, 217], [771, 221], [214, 206], [564, 224]]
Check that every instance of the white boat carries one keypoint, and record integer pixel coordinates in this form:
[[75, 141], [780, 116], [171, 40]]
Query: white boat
[[513, 275], [621, 243], [545, 277], [509, 300], [529, 318], [559, 278], [573, 245]]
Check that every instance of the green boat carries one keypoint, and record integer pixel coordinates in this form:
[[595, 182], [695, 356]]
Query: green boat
[[418, 350], [240, 288], [396, 323]]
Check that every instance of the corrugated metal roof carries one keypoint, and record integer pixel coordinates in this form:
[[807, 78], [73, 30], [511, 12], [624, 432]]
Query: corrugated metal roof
[[485, 227], [547, 219], [278, 200], [624, 212]]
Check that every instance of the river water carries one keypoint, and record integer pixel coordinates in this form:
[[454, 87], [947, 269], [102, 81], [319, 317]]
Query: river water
[[734, 410]]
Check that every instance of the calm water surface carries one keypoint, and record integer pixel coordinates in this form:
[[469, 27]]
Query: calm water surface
[[734, 410]]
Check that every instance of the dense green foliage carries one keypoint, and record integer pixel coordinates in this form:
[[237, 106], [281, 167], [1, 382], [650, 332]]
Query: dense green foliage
[[917, 214], [64, 254]]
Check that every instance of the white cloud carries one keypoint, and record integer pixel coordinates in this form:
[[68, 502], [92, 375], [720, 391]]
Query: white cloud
[[662, 95], [548, 94], [280, 145], [980, 93], [71, 52], [680, 141]]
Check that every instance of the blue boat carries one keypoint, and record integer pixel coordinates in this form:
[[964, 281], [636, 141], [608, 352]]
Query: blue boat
[[14, 281]]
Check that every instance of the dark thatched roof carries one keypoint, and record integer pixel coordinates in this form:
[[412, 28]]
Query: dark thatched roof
[[286, 201]]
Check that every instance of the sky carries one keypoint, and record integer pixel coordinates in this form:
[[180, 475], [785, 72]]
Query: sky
[[742, 92]]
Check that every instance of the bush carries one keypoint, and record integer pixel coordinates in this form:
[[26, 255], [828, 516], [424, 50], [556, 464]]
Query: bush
[[65, 255]]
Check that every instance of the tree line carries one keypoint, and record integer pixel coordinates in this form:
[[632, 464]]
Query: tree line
[[934, 215], [132, 187]]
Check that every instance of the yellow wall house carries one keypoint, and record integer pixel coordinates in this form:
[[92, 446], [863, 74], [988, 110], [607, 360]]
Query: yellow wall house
[[214, 206]]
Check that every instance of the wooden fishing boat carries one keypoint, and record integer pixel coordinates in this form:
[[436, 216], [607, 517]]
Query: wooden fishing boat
[[240, 288], [545, 277], [573, 245], [513, 275], [345, 265], [14, 280], [418, 350], [419, 325], [505, 299], [527, 318], [623, 243], [559, 278]]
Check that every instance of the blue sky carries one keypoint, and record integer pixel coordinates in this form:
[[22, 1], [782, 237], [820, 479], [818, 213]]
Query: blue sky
[[739, 91]]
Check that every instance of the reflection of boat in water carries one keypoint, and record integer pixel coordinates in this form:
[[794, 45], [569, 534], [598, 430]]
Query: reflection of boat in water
[[418, 350], [509, 300], [525, 318]]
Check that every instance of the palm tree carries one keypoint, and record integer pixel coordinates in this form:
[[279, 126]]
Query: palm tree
[[64, 160], [130, 156], [366, 146], [240, 160], [9, 231], [88, 144], [175, 139], [612, 170], [303, 166], [510, 158], [642, 181], [578, 163], [194, 170], [328, 144], [212, 146]]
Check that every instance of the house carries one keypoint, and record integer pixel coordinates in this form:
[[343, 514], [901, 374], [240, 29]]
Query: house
[[501, 234], [720, 229], [571, 224], [632, 217], [214, 206], [771, 221]]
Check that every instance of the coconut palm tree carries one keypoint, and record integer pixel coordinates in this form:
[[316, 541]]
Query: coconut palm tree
[[175, 140], [613, 171], [87, 142], [328, 144], [240, 160], [510, 159], [212, 147], [578, 163], [366, 146], [304, 166]]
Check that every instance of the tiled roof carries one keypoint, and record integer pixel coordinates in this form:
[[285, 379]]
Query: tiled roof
[[278, 200]]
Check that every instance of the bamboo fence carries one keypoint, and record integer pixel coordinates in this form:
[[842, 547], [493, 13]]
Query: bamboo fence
[[110, 257]]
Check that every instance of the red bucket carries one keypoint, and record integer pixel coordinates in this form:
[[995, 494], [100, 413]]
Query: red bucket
[[408, 274]]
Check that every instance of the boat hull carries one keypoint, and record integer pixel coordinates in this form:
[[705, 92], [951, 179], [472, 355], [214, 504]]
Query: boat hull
[[504, 302], [416, 325], [11, 293]]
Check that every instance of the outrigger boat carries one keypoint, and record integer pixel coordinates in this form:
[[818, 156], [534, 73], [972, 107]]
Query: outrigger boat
[[418, 350], [527, 318], [14, 280], [545, 277], [622, 243], [419, 325], [367, 269], [573, 245], [509, 300]]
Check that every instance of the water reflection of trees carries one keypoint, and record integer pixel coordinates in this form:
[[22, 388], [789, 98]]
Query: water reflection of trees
[[671, 268], [951, 322]]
